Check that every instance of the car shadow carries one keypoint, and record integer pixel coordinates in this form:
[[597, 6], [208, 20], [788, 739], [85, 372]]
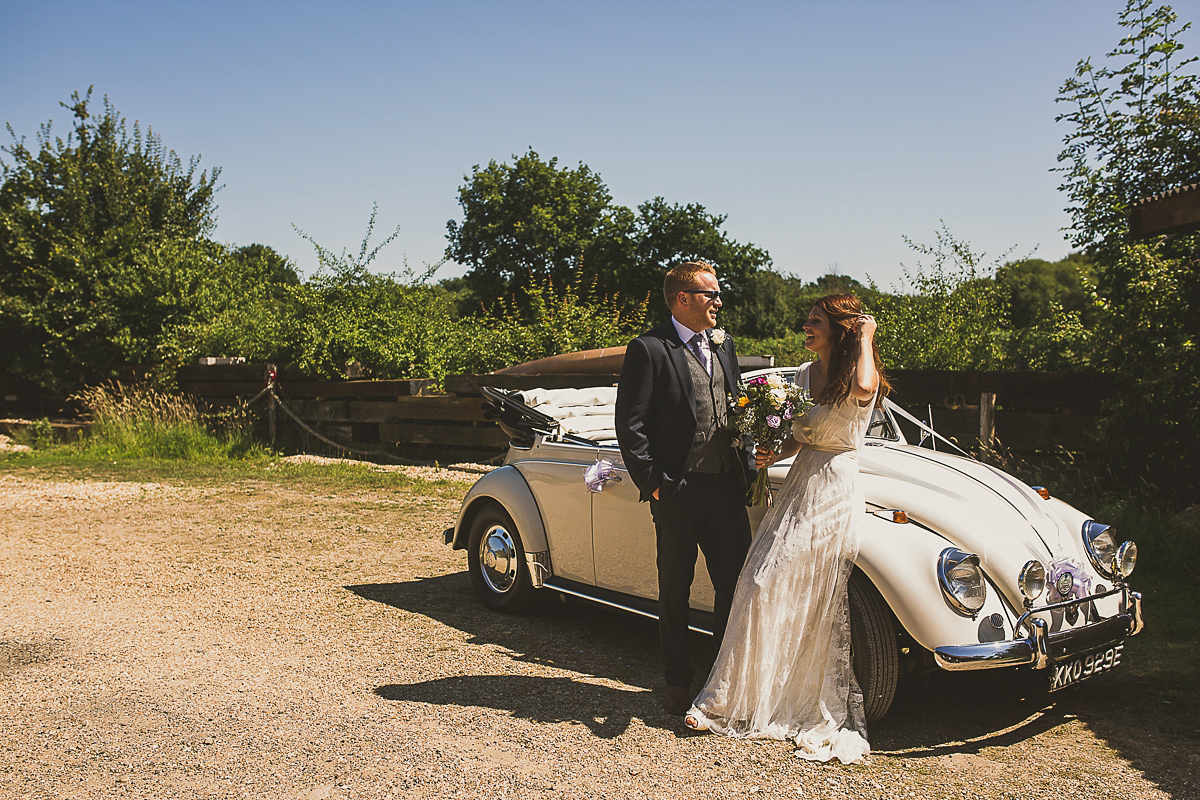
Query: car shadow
[[966, 713], [567, 635], [940, 714], [946, 713]]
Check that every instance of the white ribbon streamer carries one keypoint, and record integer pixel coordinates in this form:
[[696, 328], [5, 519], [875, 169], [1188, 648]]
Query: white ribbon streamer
[[888, 404]]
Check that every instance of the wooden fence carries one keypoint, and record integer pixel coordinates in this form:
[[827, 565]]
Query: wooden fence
[[1027, 412]]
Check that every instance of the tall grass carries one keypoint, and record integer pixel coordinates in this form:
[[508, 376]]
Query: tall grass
[[140, 421]]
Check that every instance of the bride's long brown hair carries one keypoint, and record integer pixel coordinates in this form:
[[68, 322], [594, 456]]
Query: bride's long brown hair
[[843, 310]]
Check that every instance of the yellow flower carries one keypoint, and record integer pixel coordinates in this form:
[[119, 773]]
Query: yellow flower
[[743, 401]]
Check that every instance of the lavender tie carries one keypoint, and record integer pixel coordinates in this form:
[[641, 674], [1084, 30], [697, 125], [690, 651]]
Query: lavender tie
[[696, 346]]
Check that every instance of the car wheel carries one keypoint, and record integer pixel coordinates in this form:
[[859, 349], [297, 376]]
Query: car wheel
[[496, 559], [875, 652]]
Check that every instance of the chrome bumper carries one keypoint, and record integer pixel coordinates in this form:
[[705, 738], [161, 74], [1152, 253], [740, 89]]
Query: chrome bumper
[[1041, 646]]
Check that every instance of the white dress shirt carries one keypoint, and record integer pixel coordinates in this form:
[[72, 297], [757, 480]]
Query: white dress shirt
[[686, 334]]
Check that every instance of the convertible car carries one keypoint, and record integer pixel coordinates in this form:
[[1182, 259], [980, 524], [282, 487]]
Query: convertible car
[[961, 567]]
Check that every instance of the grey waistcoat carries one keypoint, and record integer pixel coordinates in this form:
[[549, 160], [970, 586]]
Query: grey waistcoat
[[712, 449]]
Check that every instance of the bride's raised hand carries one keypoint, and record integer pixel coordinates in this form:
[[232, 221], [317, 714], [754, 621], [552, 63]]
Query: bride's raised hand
[[866, 326]]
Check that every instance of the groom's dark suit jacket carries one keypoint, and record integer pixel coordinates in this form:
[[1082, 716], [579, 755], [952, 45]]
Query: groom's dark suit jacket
[[656, 410]]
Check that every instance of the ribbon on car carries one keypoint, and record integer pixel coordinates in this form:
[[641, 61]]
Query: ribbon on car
[[595, 476], [1081, 583]]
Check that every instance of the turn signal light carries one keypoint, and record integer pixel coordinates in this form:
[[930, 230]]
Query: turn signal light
[[897, 515], [1042, 491]]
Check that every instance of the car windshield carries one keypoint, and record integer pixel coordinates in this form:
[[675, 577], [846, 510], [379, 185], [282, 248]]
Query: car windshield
[[882, 426]]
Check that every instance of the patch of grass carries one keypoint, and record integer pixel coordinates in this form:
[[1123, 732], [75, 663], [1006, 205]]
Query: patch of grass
[[139, 421], [141, 434], [63, 463], [1166, 654]]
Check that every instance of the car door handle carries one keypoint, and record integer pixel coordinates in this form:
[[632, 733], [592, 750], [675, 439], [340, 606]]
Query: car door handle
[[615, 478]]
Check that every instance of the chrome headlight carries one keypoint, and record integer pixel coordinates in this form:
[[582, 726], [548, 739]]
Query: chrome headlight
[[1032, 580], [962, 581], [1101, 546], [1126, 559]]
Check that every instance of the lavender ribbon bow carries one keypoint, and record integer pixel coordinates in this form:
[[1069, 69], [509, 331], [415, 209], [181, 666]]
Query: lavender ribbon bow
[[595, 475], [1081, 586]]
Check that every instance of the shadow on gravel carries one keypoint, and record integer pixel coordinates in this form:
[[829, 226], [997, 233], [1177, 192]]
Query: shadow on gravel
[[573, 636], [964, 713], [970, 712], [15, 656], [607, 712]]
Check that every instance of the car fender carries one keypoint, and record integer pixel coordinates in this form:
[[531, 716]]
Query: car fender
[[506, 486], [901, 560]]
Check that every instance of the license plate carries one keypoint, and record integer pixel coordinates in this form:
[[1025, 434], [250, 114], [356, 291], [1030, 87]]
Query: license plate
[[1071, 671]]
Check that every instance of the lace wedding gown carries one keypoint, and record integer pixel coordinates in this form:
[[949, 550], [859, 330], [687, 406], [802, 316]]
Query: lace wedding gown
[[784, 669]]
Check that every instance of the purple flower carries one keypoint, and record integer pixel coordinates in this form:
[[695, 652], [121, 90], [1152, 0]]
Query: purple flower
[[787, 411], [759, 381], [773, 421]]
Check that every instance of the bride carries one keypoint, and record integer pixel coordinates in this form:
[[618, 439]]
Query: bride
[[784, 671]]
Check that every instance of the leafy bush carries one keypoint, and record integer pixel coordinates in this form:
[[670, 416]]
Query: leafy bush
[[101, 241], [38, 435], [556, 322], [398, 325], [952, 316]]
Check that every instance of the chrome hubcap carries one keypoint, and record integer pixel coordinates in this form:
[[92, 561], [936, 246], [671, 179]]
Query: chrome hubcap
[[498, 559]]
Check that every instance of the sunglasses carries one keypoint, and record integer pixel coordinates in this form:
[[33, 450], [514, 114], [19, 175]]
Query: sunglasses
[[711, 294]]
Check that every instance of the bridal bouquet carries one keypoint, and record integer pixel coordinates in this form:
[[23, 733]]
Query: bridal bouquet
[[765, 411]]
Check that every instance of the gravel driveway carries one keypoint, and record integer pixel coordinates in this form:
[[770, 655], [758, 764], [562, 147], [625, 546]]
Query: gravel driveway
[[262, 639]]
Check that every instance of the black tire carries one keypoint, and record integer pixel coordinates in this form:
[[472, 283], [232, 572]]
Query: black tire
[[496, 558], [874, 647]]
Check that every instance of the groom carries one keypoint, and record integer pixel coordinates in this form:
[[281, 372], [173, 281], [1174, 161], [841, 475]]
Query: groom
[[671, 420]]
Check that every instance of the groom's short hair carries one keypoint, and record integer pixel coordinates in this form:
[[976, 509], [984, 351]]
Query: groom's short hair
[[683, 276]]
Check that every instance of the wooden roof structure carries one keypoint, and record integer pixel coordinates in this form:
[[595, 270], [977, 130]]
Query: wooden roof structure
[[1174, 211]]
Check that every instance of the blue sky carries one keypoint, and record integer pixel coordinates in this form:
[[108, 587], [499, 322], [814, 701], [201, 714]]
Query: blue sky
[[826, 131]]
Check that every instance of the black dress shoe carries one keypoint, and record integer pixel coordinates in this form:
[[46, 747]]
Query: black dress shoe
[[677, 700]]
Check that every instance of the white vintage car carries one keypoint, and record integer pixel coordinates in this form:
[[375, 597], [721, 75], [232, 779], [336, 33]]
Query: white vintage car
[[962, 566]]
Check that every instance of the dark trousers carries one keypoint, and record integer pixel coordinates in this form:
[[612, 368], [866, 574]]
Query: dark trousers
[[709, 512]]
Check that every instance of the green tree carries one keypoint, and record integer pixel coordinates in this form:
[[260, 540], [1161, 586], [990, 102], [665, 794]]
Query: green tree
[[1134, 132], [1053, 311], [531, 225], [526, 223], [1038, 290], [665, 234], [1134, 126], [101, 241], [778, 305]]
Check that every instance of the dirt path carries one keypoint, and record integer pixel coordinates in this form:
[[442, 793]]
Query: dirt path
[[262, 640]]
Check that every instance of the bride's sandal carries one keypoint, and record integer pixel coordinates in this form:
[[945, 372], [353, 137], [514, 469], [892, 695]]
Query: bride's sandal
[[694, 722]]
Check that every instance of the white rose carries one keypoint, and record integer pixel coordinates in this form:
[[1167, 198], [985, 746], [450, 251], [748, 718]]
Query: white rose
[[775, 380], [718, 337], [778, 396]]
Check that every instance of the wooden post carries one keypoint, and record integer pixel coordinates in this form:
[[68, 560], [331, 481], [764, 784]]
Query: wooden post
[[987, 418], [271, 407]]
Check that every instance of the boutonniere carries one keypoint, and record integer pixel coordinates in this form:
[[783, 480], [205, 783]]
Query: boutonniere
[[718, 336]]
